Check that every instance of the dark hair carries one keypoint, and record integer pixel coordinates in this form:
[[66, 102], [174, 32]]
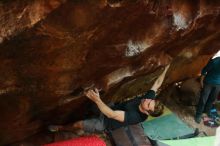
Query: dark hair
[[158, 109]]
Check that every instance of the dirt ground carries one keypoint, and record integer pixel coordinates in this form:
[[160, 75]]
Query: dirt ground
[[186, 113]]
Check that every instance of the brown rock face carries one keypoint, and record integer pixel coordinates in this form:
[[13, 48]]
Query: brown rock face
[[50, 52], [17, 16]]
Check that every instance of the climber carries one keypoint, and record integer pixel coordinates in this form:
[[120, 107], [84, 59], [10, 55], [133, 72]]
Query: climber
[[129, 112], [210, 83]]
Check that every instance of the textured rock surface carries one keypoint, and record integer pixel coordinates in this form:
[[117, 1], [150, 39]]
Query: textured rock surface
[[16, 16], [118, 46]]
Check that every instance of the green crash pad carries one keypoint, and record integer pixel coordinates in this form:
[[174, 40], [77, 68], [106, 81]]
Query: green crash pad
[[198, 141], [167, 126]]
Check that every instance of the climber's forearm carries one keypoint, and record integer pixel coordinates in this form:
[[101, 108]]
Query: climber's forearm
[[160, 80]]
